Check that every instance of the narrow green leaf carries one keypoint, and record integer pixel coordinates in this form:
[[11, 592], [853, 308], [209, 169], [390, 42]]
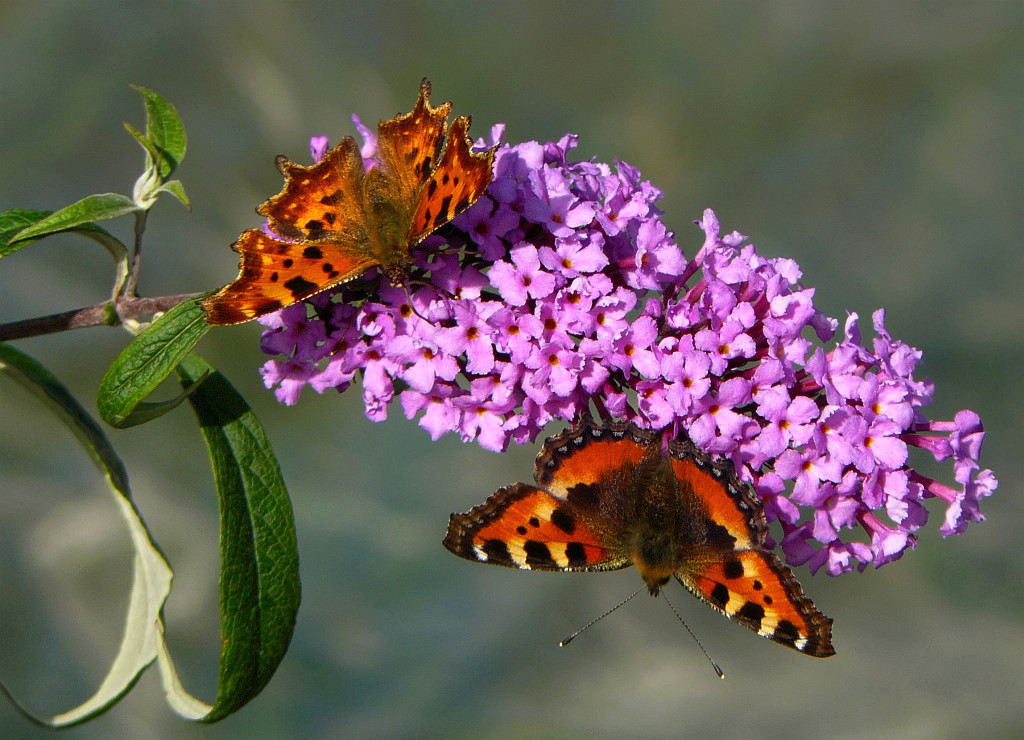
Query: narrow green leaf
[[13, 221], [259, 578], [175, 188], [153, 154], [18, 219], [145, 363], [78, 215], [164, 130], [151, 580]]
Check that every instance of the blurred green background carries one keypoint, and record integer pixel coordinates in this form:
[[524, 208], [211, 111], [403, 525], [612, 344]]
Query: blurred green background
[[878, 144]]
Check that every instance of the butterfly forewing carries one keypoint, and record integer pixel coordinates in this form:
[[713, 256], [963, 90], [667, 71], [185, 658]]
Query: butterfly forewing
[[275, 274], [578, 458], [755, 589], [522, 526]]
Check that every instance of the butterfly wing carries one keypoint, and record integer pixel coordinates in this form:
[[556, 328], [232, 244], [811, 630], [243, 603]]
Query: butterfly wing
[[573, 463], [274, 274], [320, 209], [457, 182], [323, 200], [409, 146], [523, 526], [732, 571], [757, 590]]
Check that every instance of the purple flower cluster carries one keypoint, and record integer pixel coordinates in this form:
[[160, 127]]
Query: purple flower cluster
[[561, 293]]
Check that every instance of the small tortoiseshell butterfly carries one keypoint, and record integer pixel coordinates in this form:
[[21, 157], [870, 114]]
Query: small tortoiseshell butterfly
[[611, 495]]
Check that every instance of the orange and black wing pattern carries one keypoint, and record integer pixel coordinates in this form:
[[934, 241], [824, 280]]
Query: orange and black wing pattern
[[522, 526], [611, 495], [333, 220]]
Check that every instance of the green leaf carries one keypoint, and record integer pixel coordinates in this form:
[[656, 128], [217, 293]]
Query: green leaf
[[152, 153], [78, 215], [13, 221], [151, 580], [259, 577], [175, 188], [164, 131], [16, 220], [145, 363]]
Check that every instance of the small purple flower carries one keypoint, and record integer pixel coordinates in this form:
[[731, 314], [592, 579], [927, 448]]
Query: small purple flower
[[523, 278]]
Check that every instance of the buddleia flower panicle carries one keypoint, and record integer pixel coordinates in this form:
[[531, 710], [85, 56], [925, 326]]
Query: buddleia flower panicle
[[561, 292]]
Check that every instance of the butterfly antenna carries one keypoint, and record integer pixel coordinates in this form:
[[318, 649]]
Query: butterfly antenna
[[412, 306], [714, 665], [592, 622]]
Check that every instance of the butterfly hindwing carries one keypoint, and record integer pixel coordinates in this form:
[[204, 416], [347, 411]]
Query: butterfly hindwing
[[459, 179], [410, 146], [523, 526], [322, 200]]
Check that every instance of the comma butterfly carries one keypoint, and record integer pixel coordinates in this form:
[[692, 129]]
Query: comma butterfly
[[610, 495], [336, 220]]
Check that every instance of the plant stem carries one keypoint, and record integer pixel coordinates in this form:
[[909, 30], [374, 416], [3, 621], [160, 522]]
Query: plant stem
[[133, 274], [98, 315]]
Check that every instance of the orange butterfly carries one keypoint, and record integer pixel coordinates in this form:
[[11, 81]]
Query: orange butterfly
[[337, 220], [609, 495]]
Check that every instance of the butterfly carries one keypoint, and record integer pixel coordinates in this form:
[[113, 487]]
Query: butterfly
[[335, 220], [610, 495]]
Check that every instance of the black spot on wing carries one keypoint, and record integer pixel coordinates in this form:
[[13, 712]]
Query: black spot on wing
[[719, 596], [268, 306], [333, 199], [299, 287], [312, 253], [583, 494], [538, 554], [563, 521], [576, 554], [751, 612], [733, 568], [718, 536], [786, 632], [442, 215], [497, 552]]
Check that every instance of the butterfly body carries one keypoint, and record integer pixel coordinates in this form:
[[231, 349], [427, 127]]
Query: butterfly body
[[610, 496], [334, 220]]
